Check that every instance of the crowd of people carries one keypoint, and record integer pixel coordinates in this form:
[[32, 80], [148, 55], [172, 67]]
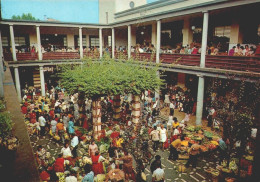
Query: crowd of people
[[193, 48], [59, 114]]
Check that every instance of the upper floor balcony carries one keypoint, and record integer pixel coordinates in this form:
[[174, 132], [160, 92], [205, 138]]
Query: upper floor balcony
[[236, 63]]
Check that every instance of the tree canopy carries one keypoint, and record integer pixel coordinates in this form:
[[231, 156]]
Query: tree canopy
[[109, 77], [24, 16]]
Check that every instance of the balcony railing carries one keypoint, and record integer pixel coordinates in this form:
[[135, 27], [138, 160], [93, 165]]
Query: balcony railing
[[241, 63]]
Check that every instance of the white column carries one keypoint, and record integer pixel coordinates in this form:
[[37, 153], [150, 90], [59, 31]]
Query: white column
[[17, 83], [204, 39], [42, 81], [80, 43], [113, 42], [12, 42], [129, 42], [158, 43], [100, 43], [39, 42], [1, 69], [200, 97]]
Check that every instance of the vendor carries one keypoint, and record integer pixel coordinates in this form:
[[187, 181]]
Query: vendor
[[58, 165], [92, 148], [173, 149], [175, 123], [193, 155], [222, 150]]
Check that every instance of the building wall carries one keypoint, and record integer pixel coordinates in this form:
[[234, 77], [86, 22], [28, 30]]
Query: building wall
[[33, 39], [107, 8], [154, 33], [122, 6], [121, 37], [106, 11], [187, 32], [156, 8], [70, 40]]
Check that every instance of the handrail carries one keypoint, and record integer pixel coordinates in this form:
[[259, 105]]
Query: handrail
[[242, 63]]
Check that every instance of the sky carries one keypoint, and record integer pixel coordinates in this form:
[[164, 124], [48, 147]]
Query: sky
[[83, 11]]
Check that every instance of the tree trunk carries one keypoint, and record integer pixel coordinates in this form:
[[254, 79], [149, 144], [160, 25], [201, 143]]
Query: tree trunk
[[96, 112], [136, 109], [117, 107]]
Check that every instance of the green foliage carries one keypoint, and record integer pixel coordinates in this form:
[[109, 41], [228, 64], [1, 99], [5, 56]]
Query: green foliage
[[5, 124], [2, 105], [109, 77], [24, 16]]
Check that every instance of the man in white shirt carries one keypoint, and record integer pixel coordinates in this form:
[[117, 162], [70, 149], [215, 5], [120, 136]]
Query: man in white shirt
[[158, 175], [74, 144], [172, 107], [155, 138], [42, 122], [66, 152], [169, 124]]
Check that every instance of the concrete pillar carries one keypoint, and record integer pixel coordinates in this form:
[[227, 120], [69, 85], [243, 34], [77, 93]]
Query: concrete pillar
[[235, 33], [42, 81], [153, 41], [200, 95], [1, 68], [204, 39], [129, 42], [158, 43], [17, 83], [80, 43], [200, 98], [187, 32], [100, 43], [13, 42], [113, 42], [39, 42]]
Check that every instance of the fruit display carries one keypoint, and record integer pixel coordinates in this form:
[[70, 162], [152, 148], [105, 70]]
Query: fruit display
[[214, 142], [203, 148], [208, 134], [249, 157], [190, 128]]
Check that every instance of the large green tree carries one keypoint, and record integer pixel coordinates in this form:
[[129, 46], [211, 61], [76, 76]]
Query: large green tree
[[24, 16], [96, 78]]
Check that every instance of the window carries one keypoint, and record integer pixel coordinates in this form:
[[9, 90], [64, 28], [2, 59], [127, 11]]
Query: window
[[94, 41], [84, 41], [5, 41], [223, 31], [132, 4], [19, 41], [167, 32], [65, 41], [109, 40]]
